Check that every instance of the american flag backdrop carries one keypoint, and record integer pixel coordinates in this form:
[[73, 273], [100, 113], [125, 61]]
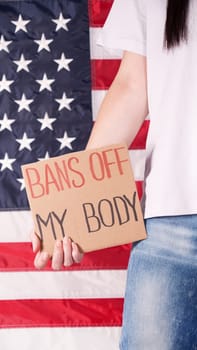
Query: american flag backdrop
[[53, 78]]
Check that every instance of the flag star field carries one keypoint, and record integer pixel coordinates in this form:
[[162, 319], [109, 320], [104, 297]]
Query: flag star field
[[45, 87]]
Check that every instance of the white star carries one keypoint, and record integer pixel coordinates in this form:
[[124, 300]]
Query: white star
[[5, 123], [22, 64], [64, 102], [20, 24], [47, 156], [23, 103], [7, 162], [5, 84], [46, 122], [25, 142], [4, 44], [61, 22], [43, 43], [22, 182], [63, 62], [45, 83], [66, 141]]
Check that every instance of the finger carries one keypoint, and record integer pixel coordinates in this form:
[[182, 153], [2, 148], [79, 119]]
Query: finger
[[36, 244], [76, 254], [58, 256], [67, 246], [41, 259]]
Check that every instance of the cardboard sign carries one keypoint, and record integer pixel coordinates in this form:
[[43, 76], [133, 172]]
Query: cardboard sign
[[89, 196]]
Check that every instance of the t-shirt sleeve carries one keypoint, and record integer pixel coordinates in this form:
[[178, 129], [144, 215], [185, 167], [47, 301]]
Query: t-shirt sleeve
[[125, 27]]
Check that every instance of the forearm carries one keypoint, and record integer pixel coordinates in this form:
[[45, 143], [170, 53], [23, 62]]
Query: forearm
[[122, 112]]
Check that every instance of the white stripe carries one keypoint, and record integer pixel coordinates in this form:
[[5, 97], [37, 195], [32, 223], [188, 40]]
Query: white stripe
[[16, 225], [99, 52], [138, 163], [97, 98], [83, 338], [64, 284]]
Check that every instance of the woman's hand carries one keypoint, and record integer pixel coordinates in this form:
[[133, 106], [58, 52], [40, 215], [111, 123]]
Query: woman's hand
[[65, 253]]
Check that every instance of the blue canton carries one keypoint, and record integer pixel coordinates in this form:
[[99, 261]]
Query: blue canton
[[45, 87]]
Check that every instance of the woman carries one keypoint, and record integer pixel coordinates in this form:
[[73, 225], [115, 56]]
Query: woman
[[157, 76]]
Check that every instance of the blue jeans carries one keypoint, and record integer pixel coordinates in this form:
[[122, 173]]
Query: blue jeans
[[160, 308]]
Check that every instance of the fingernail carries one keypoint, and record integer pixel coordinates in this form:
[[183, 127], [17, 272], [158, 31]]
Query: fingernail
[[67, 240], [58, 244], [77, 255], [74, 246], [56, 266], [68, 262]]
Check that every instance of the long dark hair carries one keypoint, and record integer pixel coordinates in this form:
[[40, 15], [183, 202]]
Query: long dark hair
[[176, 23]]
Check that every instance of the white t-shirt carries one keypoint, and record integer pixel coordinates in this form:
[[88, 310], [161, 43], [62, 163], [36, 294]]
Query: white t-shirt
[[171, 163]]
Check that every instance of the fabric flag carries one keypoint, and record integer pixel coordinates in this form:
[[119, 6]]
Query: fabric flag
[[53, 78]]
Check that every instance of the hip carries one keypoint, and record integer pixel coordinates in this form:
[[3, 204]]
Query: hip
[[170, 237]]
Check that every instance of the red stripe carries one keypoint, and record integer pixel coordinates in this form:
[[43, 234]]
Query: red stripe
[[140, 139], [61, 313], [98, 11], [139, 185], [19, 257], [103, 73]]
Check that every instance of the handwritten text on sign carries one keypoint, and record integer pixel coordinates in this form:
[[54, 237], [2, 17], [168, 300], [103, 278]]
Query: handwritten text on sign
[[88, 195]]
